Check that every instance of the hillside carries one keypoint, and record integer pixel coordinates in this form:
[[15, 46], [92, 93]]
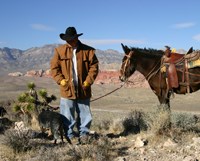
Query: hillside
[[36, 58]]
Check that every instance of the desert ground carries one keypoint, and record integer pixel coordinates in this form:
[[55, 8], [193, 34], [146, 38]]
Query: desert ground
[[123, 100], [118, 105]]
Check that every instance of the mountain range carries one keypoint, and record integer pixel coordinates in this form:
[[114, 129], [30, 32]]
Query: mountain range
[[36, 58]]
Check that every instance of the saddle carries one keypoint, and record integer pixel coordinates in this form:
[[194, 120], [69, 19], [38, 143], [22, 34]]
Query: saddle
[[183, 62], [171, 69]]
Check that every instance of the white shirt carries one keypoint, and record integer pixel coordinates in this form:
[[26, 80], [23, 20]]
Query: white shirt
[[75, 74]]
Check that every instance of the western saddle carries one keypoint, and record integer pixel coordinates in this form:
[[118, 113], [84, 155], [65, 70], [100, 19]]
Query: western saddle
[[171, 62]]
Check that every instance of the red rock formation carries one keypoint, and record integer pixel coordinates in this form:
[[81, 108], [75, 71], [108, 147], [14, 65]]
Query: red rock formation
[[104, 77], [35, 73], [112, 77]]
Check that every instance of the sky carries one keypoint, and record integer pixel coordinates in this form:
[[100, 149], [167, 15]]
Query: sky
[[105, 24]]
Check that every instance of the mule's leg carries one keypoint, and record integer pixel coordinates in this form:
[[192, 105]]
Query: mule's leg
[[164, 100], [165, 107]]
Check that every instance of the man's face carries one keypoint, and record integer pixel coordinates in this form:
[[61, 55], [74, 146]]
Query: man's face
[[73, 42]]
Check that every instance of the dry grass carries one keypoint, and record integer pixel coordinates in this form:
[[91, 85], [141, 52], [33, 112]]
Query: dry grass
[[18, 140], [120, 120], [152, 128]]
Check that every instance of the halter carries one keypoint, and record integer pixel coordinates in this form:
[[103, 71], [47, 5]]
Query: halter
[[129, 55]]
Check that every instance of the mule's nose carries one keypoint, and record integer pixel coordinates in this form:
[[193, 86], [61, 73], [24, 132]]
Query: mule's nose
[[121, 78]]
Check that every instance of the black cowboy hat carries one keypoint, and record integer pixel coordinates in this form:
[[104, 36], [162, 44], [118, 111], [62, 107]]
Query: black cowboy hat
[[70, 34]]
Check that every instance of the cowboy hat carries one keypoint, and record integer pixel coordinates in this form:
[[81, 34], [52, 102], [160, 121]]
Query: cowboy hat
[[70, 34]]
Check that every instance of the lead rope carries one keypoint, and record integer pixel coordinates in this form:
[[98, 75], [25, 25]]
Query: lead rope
[[109, 92], [129, 56]]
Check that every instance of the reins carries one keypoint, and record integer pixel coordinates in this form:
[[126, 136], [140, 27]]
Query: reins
[[151, 73], [129, 57]]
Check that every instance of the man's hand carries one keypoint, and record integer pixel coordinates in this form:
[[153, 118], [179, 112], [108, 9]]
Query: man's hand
[[63, 82], [85, 85], [163, 69]]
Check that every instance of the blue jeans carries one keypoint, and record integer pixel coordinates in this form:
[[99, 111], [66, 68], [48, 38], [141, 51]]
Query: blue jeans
[[84, 117]]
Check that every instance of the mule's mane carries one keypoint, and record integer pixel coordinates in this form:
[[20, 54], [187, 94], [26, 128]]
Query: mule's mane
[[149, 52], [196, 51]]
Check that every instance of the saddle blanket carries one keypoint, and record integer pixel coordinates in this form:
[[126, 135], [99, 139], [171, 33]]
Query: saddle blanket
[[195, 63]]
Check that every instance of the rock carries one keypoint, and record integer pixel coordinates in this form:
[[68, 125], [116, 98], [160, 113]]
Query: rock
[[189, 158], [47, 73], [169, 143], [196, 140], [20, 126], [140, 142], [33, 73], [16, 74]]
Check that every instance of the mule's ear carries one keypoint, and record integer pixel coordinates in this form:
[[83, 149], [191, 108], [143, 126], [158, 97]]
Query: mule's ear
[[190, 50], [125, 48]]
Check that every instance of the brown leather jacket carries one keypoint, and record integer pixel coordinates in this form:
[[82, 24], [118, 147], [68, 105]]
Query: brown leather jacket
[[87, 69]]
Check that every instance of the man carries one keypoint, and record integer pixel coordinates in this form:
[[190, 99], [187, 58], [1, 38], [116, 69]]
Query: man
[[74, 67]]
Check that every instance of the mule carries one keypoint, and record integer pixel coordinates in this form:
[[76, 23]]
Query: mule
[[148, 62]]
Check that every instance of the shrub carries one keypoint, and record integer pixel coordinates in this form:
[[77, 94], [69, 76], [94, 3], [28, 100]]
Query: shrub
[[134, 123], [100, 150], [159, 121], [18, 140], [186, 122]]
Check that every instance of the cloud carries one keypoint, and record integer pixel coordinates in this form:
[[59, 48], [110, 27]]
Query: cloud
[[196, 37], [2, 43], [111, 41], [183, 25], [41, 27]]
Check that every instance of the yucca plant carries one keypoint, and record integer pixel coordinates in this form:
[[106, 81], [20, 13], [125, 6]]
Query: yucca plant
[[28, 103], [24, 103], [45, 98]]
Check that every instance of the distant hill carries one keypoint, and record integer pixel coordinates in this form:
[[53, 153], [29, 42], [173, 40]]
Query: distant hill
[[36, 58]]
